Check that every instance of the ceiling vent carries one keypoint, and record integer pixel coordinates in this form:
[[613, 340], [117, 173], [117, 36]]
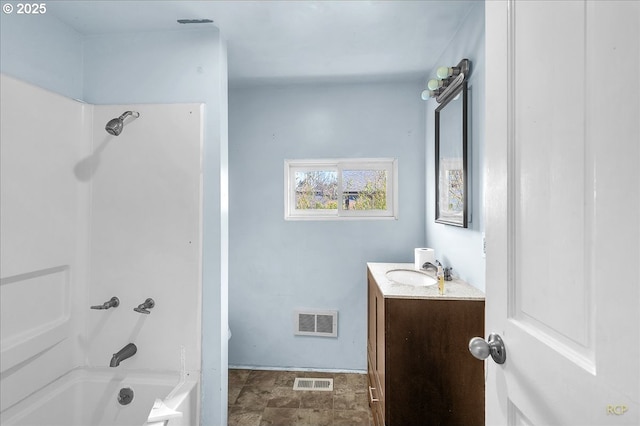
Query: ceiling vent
[[316, 323], [194, 21]]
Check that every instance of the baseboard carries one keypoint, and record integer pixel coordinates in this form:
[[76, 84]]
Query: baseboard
[[315, 370]]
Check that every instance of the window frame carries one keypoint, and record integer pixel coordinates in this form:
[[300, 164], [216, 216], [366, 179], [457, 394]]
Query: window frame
[[390, 165]]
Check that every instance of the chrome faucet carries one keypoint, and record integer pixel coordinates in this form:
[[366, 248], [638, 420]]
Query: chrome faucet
[[143, 308], [428, 265], [124, 353], [111, 303]]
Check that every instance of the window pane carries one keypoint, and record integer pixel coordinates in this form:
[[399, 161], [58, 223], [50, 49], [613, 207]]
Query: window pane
[[364, 189], [316, 190], [455, 181], [328, 189]]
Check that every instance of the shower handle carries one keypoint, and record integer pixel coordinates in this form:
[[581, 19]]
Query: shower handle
[[114, 302], [143, 308]]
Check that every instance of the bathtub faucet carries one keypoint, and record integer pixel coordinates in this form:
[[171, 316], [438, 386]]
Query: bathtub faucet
[[124, 353], [143, 308]]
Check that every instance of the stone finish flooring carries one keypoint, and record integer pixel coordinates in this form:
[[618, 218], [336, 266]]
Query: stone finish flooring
[[264, 397]]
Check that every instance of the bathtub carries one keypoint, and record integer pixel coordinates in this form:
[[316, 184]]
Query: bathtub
[[89, 397]]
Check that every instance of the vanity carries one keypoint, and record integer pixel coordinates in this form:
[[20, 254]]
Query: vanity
[[420, 370]]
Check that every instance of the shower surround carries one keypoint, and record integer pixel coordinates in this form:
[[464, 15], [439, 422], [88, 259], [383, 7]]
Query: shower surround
[[87, 216]]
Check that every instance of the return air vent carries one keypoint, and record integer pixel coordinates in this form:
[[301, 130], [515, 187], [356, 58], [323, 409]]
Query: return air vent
[[313, 384], [316, 323]]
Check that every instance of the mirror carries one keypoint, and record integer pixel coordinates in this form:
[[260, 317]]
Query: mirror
[[451, 159]]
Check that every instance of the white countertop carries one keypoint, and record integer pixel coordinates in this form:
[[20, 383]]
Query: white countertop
[[454, 290]]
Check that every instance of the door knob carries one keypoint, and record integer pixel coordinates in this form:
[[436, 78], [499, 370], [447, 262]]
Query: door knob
[[481, 349]]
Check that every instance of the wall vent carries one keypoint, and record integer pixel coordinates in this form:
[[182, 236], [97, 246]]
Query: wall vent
[[313, 384], [316, 323]]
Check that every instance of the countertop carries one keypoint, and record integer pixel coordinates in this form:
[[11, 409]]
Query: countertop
[[455, 289]]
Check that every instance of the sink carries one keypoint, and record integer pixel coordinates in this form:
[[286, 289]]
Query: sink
[[410, 277]]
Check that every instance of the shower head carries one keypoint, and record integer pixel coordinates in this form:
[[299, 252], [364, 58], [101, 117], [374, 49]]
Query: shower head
[[114, 126]]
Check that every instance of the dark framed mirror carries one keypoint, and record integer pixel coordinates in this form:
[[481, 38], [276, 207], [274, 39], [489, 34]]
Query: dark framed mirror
[[452, 198]]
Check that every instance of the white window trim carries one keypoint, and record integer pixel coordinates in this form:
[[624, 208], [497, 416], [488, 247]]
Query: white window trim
[[339, 164]]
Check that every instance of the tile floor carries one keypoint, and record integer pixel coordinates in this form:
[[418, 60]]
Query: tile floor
[[264, 397]]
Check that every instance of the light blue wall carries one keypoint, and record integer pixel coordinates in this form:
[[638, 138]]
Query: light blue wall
[[458, 247], [41, 50], [168, 67], [277, 266]]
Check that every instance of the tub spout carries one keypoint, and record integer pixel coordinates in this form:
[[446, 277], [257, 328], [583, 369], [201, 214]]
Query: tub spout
[[124, 353]]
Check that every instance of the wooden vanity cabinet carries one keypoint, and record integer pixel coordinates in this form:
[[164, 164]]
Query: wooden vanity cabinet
[[420, 371]]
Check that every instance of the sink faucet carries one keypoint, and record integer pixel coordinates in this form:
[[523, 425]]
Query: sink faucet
[[124, 353], [428, 265]]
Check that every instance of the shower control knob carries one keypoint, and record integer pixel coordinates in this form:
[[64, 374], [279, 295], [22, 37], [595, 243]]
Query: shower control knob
[[143, 308], [481, 348]]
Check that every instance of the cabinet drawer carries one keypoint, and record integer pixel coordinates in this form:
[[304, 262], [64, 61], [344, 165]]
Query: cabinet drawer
[[374, 398], [378, 417], [376, 391]]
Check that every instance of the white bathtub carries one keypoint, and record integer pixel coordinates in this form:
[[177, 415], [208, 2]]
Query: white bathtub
[[89, 397]]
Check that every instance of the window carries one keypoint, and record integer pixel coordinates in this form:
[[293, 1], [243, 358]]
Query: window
[[340, 189]]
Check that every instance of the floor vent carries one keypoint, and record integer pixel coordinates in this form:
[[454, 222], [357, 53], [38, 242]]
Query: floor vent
[[313, 384], [316, 323]]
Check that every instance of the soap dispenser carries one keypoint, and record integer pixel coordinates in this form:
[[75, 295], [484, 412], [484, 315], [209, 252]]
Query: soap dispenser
[[440, 277]]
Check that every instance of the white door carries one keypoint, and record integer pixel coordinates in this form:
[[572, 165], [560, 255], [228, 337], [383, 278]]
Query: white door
[[563, 211]]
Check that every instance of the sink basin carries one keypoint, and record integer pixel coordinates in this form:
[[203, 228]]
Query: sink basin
[[410, 277]]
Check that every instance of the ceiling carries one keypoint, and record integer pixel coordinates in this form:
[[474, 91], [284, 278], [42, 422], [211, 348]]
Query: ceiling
[[294, 40]]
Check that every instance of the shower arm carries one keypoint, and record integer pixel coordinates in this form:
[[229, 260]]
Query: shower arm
[[127, 113]]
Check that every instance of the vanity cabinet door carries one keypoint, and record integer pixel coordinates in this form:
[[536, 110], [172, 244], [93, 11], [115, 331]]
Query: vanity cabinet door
[[381, 353], [431, 376], [376, 352]]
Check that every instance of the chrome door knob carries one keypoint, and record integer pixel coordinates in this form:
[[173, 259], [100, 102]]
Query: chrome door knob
[[481, 349]]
